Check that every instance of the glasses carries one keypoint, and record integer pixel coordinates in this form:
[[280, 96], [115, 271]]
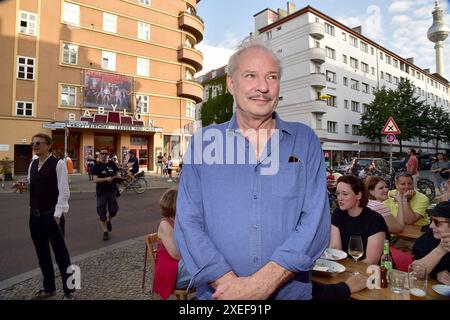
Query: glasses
[[437, 222], [104, 153], [37, 143]]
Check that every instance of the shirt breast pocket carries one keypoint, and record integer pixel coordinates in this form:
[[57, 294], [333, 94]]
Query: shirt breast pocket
[[286, 182]]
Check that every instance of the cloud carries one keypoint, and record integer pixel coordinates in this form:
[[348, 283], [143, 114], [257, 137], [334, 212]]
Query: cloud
[[399, 7], [213, 57], [371, 22]]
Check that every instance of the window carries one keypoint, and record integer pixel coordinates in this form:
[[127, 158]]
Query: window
[[69, 53], [24, 108], [364, 46], [329, 29], [189, 75], [331, 101], [27, 23], [354, 63], [317, 44], [345, 81], [190, 110], [68, 95], [109, 60], [395, 63], [143, 31], [381, 55], [365, 67], [331, 76], [372, 50], [344, 58], [388, 59], [109, 22], [396, 80], [388, 77], [25, 68], [347, 129], [381, 74], [269, 35], [332, 127], [365, 87], [188, 43], [71, 13], [145, 2], [143, 67], [373, 71], [331, 53], [353, 41], [355, 106], [143, 103], [355, 130], [365, 107], [344, 36], [346, 104]]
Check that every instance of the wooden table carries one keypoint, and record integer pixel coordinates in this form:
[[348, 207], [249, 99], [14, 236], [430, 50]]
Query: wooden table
[[410, 232], [375, 294]]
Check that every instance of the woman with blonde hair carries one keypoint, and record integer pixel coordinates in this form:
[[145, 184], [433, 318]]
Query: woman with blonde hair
[[378, 192]]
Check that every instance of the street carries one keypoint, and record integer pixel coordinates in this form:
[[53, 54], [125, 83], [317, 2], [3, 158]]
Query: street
[[138, 215]]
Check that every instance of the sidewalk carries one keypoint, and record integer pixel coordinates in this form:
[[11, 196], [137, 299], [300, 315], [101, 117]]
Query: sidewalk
[[110, 273], [81, 183]]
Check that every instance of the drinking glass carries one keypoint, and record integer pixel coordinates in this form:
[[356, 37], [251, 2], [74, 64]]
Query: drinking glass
[[355, 248], [417, 281]]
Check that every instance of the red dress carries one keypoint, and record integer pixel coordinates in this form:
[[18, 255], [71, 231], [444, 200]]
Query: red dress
[[166, 270]]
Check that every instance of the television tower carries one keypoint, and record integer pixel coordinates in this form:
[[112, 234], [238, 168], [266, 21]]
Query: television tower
[[437, 33]]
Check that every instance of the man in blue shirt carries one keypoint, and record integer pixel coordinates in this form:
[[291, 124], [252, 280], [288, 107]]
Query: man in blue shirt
[[252, 210], [133, 162]]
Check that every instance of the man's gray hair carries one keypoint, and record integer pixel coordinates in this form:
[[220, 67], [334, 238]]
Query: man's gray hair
[[246, 44]]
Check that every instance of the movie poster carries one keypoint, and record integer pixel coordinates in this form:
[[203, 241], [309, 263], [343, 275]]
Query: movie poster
[[106, 89]]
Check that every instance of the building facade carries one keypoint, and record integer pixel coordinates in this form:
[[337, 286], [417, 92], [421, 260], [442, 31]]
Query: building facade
[[93, 74], [330, 72]]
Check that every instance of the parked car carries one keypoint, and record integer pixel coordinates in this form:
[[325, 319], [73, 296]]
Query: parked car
[[397, 164], [425, 161], [380, 163]]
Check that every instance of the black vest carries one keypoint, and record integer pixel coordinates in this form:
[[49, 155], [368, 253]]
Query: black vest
[[44, 185]]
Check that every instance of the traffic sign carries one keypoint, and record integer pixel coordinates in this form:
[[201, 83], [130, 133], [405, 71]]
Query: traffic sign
[[390, 127], [390, 138]]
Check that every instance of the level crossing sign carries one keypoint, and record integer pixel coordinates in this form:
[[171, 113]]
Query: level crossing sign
[[390, 127]]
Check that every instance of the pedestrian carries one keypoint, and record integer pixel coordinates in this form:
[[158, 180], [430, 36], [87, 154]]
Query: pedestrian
[[69, 164], [159, 163], [169, 168], [49, 196], [441, 171], [106, 190], [90, 163], [165, 164], [252, 210], [132, 164], [412, 166]]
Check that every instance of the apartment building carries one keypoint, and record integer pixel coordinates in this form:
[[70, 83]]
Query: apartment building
[[330, 72], [114, 74]]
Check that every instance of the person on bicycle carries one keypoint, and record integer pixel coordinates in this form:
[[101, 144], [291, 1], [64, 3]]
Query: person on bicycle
[[414, 203], [107, 207], [133, 165]]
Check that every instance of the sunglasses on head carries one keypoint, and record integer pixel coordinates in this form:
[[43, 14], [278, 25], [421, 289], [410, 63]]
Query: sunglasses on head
[[37, 143], [104, 153]]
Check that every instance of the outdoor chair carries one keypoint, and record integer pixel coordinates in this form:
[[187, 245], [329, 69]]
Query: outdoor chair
[[151, 241]]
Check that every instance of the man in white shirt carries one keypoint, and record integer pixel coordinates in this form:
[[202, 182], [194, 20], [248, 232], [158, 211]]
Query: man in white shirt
[[49, 195]]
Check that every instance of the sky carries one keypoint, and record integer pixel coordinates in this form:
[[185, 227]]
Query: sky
[[398, 25]]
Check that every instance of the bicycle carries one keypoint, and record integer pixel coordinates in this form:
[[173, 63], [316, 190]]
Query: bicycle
[[138, 184]]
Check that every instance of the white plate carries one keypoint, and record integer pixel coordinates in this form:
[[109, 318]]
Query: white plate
[[328, 268], [442, 289], [333, 254]]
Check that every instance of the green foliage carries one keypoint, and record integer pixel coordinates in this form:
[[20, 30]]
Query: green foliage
[[217, 110], [6, 165]]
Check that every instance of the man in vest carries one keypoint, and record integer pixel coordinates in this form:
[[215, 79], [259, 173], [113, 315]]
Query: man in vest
[[49, 196]]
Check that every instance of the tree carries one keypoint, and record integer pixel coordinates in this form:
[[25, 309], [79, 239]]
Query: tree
[[402, 106], [436, 125], [217, 110]]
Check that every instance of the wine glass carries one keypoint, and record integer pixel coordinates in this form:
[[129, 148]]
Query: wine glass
[[355, 248]]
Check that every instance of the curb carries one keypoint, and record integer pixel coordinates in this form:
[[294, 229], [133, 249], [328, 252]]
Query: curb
[[37, 272]]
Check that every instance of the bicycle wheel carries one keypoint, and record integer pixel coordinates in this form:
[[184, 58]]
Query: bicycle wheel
[[139, 185], [426, 186]]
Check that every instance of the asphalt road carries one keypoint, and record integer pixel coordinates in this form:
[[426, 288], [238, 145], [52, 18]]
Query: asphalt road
[[138, 215]]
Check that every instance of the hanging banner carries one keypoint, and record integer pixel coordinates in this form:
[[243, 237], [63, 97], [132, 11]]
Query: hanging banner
[[106, 89]]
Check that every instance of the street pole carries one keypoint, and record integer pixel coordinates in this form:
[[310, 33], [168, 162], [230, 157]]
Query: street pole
[[390, 160], [66, 134]]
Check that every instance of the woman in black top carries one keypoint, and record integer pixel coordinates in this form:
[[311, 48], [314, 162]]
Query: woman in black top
[[354, 218]]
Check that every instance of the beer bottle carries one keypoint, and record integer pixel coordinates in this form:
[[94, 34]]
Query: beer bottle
[[383, 278], [386, 259]]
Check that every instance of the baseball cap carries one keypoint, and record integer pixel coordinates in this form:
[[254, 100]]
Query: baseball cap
[[442, 209]]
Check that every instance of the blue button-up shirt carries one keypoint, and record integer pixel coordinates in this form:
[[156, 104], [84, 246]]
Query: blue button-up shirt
[[236, 213]]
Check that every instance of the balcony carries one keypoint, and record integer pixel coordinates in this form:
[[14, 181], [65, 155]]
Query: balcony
[[191, 24], [316, 30], [322, 134], [317, 55], [317, 80], [191, 90], [192, 57], [315, 106]]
